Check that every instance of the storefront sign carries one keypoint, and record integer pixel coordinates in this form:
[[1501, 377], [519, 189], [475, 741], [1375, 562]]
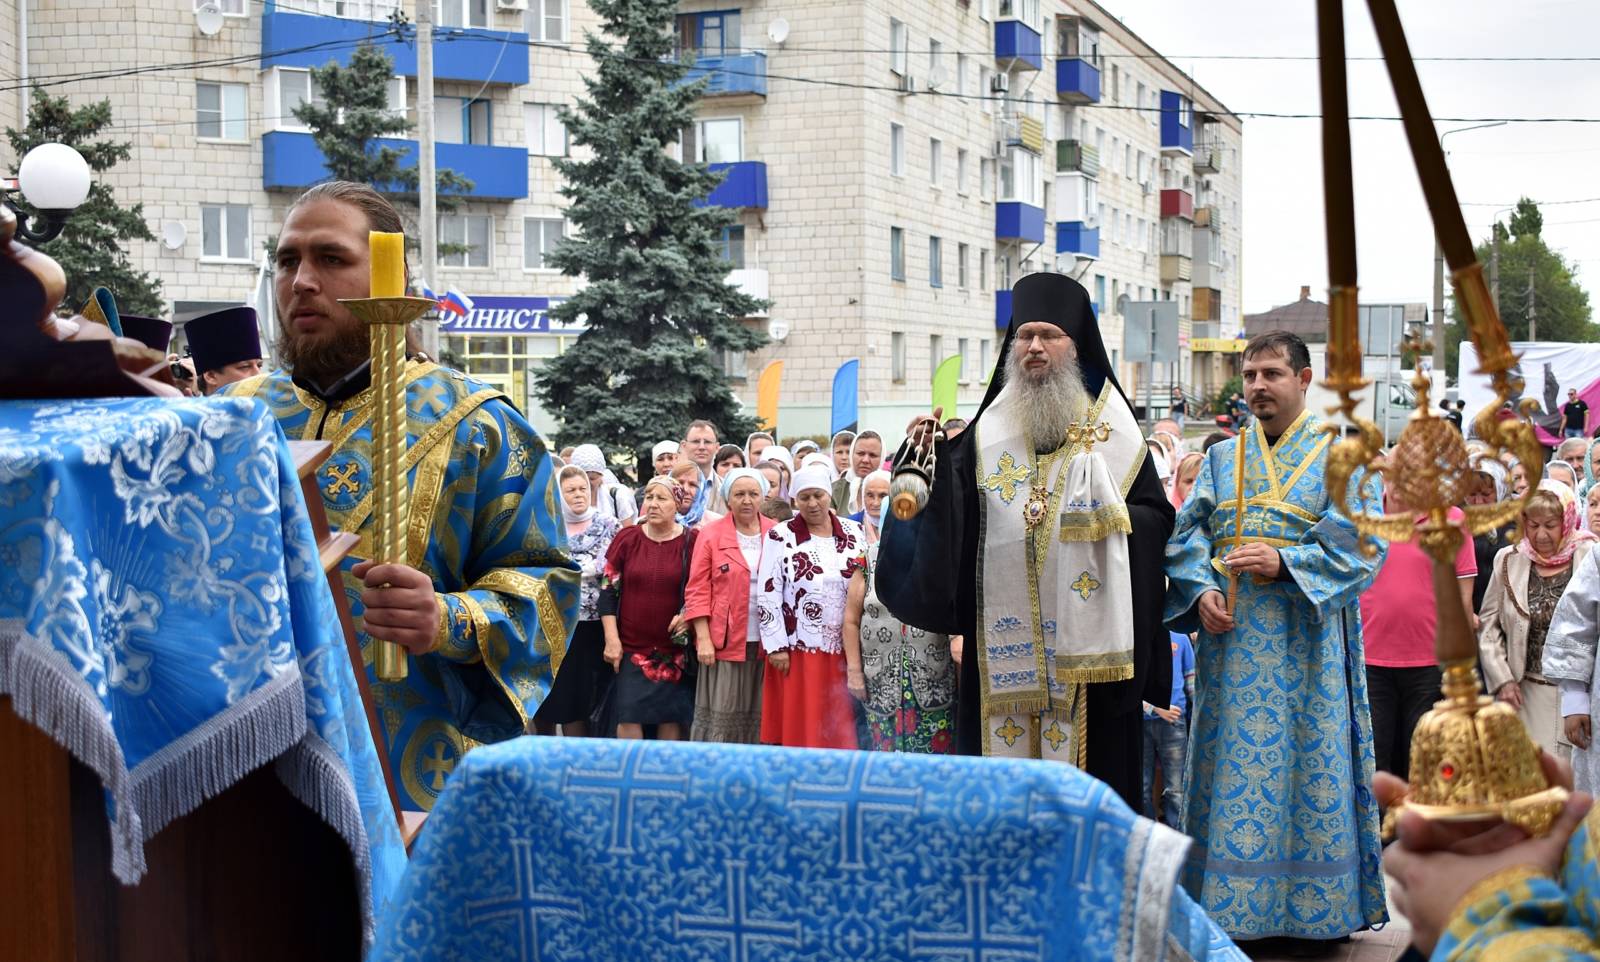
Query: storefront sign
[[507, 315], [1218, 345]]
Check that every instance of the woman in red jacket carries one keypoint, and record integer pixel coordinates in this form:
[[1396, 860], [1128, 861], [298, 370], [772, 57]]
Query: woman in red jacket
[[720, 601]]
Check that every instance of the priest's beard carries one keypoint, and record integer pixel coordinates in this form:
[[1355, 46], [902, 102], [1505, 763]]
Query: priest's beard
[[1047, 401], [324, 358]]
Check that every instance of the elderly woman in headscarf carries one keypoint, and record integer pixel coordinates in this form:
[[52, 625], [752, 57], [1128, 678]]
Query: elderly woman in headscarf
[[775, 504], [1529, 578], [583, 677], [1563, 472], [1184, 474], [720, 602], [693, 511], [606, 494], [874, 492], [805, 447], [1486, 484], [803, 584], [728, 457], [1591, 468]]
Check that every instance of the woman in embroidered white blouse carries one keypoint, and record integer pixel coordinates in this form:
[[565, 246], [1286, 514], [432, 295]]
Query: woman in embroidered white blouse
[[800, 604]]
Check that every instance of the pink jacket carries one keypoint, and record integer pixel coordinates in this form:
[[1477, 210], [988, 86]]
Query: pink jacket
[[719, 586]]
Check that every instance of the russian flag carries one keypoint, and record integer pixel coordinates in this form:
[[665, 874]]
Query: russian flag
[[456, 302]]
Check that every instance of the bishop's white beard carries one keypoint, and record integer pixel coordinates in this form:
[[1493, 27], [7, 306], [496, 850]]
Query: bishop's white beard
[[1047, 405]]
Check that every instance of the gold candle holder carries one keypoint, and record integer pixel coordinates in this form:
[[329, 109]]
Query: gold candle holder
[[386, 319]]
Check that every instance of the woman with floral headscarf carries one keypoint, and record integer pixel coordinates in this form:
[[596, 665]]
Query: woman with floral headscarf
[[1529, 578], [1591, 469], [693, 510]]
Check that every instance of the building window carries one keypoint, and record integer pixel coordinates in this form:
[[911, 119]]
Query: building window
[[935, 63], [983, 269], [983, 358], [961, 75], [986, 178], [961, 266], [935, 353], [935, 160], [225, 232], [1099, 290], [734, 365], [899, 45], [345, 9], [1020, 177], [961, 171], [547, 137], [714, 141], [966, 362], [733, 247], [897, 254], [546, 21], [462, 13], [539, 238], [468, 231], [897, 357], [986, 89], [713, 34], [935, 262], [219, 111], [287, 89], [232, 8], [897, 150], [458, 120]]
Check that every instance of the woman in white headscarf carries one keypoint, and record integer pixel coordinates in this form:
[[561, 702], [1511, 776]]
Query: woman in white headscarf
[[804, 580], [874, 494], [720, 602], [754, 445], [606, 495]]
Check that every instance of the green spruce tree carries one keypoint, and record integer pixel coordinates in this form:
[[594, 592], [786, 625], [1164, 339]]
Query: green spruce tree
[[352, 115], [93, 248], [658, 306]]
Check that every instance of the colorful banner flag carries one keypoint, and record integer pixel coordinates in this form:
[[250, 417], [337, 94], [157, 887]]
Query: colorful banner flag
[[945, 384], [767, 395], [845, 397]]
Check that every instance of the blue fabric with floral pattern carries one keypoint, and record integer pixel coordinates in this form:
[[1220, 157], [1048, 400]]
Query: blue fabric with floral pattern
[[580, 849], [164, 615]]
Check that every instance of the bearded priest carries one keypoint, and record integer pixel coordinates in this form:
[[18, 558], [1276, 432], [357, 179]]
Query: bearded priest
[[1041, 545]]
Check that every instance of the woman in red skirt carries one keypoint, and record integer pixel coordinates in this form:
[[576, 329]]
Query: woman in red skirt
[[801, 602]]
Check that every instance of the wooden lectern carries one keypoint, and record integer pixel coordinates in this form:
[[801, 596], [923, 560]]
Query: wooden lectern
[[252, 874]]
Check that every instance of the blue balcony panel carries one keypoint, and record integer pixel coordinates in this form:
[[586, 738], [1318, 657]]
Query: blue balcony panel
[[458, 53], [1017, 43], [1002, 309], [1177, 123], [292, 161], [1018, 221], [732, 76], [1077, 81], [745, 186], [1072, 237]]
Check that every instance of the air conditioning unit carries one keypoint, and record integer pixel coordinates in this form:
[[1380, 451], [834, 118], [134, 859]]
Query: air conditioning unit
[[1000, 83], [511, 4], [1146, 185], [908, 85]]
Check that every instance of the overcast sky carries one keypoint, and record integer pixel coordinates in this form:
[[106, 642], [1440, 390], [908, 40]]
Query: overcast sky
[[1283, 222]]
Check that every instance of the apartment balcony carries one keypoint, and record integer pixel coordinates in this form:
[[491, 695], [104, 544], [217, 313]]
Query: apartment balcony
[[1207, 306], [745, 186], [1073, 237], [1208, 217], [459, 53], [1077, 81], [1076, 157], [1017, 221], [1177, 124], [1176, 267], [1018, 45], [1176, 202], [751, 281], [733, 78], [1002, 309], [291, 161], [1208, 157]]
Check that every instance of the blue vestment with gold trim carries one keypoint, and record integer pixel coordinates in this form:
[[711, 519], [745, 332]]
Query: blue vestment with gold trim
[[485, 526], [1280, 760]]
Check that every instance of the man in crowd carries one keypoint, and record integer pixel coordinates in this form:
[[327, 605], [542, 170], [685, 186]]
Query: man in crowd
[[226, 347], [1574, 416], [1573, 450], [1041, 546], [866, 456], [487, 597], [1280, 757], [700, 446]]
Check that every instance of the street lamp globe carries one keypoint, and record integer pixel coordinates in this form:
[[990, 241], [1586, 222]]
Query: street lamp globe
[[54, 177]]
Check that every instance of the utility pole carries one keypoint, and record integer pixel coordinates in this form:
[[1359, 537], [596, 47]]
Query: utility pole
[[1438, 311], [1494, 269], [428, 180], [1533, 329]]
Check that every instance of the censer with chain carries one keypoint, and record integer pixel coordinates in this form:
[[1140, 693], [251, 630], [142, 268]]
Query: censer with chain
[[1471, 757]]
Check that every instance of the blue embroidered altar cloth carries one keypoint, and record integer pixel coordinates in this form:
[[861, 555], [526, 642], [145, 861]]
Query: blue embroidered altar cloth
[[612, 851], [165, 617]]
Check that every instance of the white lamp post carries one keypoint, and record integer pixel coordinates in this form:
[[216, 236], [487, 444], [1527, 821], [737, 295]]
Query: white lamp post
[[55, 179]]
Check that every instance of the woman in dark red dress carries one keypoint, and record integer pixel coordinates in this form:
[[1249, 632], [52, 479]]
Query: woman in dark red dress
[[641, 609]]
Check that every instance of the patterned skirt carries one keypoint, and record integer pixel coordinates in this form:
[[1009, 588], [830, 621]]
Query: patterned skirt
[[727, 700]]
